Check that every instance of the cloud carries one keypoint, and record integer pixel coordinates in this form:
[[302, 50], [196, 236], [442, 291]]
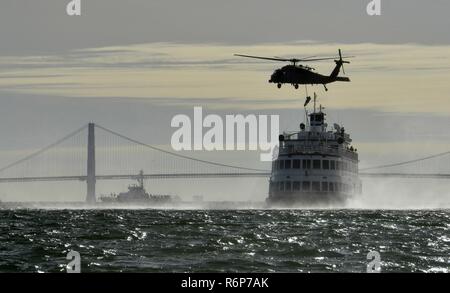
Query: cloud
[[403, 78]]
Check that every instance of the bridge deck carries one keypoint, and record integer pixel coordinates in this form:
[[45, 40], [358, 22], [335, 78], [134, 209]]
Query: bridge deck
[[207, 175]]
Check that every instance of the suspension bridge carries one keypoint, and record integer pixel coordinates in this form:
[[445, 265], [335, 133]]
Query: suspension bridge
[[75, 157]]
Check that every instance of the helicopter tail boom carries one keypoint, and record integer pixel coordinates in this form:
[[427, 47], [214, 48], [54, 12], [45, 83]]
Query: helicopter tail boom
[[339, 64], [339, 78]]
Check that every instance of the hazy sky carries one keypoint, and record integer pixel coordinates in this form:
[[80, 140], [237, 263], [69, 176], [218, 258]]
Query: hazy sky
[[28, 27], [132, 65]]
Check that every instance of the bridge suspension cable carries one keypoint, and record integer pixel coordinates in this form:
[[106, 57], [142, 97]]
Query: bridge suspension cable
[[56, 143], [406, 162], [175, 154]]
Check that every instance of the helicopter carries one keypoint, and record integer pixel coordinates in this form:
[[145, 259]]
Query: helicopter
[[296, 74]]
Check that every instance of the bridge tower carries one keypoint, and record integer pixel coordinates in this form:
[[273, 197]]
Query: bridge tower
[[90, 179]]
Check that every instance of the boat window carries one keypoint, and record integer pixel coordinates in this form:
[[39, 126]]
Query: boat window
[[326, 164], [281, 164], [281, 186], [306, 185], [338, 165], [306, 164], [287, 164], [332, 165], [287, 186], [331, 186], [316, 186], [296, 164], [316, 164], [324, 186], [296, 186]]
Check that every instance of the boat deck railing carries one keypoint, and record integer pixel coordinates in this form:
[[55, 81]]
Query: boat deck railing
[[314, 149]]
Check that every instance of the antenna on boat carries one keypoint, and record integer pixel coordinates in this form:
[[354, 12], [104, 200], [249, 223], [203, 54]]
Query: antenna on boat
[[315, 98], [306, 117]]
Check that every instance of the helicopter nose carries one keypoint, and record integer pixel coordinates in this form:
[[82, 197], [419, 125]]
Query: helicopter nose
[[273, 78]]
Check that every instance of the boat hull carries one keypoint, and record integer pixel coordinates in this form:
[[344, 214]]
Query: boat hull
[[308, 199]]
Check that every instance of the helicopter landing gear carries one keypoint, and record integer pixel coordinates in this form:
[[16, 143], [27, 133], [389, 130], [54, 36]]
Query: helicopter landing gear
[[296, 86], [325, 87], [279, 85]]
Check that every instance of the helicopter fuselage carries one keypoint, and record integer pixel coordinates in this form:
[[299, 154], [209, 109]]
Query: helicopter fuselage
[[295, 75]]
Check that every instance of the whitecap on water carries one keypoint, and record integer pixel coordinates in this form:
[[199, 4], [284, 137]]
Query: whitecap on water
[[437, 270], [109, 251]]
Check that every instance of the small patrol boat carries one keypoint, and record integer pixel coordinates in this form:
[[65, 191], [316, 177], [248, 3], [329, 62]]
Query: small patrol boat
[[137, 194]]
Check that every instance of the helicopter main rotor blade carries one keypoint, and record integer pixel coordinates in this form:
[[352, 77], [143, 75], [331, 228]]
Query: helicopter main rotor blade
[[293, 60], [326, 58], [264, 58]]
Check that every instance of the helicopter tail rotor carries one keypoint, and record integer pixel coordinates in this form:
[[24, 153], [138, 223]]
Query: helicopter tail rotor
[[341, 61]]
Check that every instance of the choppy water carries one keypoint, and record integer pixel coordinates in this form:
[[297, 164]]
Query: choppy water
[[224, 240]]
